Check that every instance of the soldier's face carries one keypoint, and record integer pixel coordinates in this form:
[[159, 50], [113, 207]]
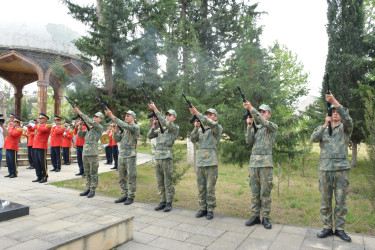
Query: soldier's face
[[335, 116], [211, 116], [11, 119], [129, 118], [42, 120], [57, 121], [265, 113], [170, 118], [97, 119]]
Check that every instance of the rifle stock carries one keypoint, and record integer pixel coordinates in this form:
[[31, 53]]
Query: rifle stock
[[153, 113], [73, 106], [329, 110], [194, 118], [247, 114]]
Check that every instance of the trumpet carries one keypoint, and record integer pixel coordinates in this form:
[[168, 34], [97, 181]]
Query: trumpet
[[105, 139]]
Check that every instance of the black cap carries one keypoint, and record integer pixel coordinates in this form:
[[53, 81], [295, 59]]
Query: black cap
[[57, 117], [42, 115]]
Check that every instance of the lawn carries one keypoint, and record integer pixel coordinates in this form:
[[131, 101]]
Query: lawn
[[297, 204]]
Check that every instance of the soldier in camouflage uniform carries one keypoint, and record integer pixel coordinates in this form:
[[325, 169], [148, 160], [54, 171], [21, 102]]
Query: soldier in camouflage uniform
[[90, 150], [334, 168], [127, 168], [163, 156], [261, 165], [207, 159]]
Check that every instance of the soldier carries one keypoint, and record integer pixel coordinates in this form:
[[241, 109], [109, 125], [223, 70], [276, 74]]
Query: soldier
[[163, 155], [127, 170], [90, 150], [67, 143], [11, 146], [30, 134], [261, 165], [78, 143], [11, 119], [207, 159], [114, 147], [40, 148], [57, 132], [3, 134], [108, 148], [334, 167]]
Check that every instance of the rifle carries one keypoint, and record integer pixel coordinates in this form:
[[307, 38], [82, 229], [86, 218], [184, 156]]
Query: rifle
[[106, 108], [329, 110], [194, 118], [247, 114], [153, 113], [78, 116]]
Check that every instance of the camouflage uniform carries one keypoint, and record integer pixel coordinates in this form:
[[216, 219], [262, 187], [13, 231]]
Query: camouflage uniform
[[127, 168], [207, 161], [261, 165], [163, 157], [334, 169], [90, 151]]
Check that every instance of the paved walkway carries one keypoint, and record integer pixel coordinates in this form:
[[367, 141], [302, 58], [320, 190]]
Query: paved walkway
[[57, 213]]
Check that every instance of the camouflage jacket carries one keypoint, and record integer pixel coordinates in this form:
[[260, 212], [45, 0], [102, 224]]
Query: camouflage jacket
[[164, 141], [334, 149], [128, 138], [90, 148], [262, 141], [208, 141]]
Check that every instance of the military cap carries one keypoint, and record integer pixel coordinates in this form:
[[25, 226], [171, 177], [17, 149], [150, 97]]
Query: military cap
[[17, 119], [210, 110], [99, 114], [42, 115], [265, 107], [11, 115], [172, 112], [35, 120], [333, 106], [130, 112], [57, 117]]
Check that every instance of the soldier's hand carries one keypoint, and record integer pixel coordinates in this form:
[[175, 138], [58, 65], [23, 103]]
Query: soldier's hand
[[327, 120], [249, 121], [194, 111], [152, 106], [332, 100], [77, 111], [247, 105], [197, 124], [109, 113]]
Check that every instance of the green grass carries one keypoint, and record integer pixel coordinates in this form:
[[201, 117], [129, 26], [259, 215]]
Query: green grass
[[297, 204]]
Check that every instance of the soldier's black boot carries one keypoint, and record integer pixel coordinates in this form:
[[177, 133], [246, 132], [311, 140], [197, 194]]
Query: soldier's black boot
[[343, 235], [160, 206], [266, 223], [201, 213], [254, 220], [325, 233], [44, 179], [37, 179], [84, 193], [210, 215], [91, 194], [168, 207], [7, 175], [121, 199], [128, 201]]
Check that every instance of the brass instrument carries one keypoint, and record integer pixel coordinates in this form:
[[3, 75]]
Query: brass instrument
[[105, 139]]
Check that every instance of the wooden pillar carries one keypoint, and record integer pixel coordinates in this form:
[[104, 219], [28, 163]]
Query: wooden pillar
[[18, 102], [42, 96], [58, 96]]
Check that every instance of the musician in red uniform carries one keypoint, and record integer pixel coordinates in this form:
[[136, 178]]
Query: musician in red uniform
[[114, 146], [40, 147], [30, 134], [67, 143], [11, 119], [108, 148], [79, 145], [55, 143], [11, 146]]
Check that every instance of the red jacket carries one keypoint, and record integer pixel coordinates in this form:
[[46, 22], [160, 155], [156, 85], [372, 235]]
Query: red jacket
[[56, 136], [79, 141], [11, 141], [10, 125], [41, 136], [67, 140], [111, 142], [31, 135]]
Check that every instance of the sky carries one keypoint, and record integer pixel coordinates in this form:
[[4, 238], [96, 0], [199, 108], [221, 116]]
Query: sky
[[297, 24]]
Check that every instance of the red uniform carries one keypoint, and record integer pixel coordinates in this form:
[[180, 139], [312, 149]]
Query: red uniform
[[11, 141], [111, 142], [56, 136], [31, 135], [10, 125], [67, 140], [41, 137], [79, 141]]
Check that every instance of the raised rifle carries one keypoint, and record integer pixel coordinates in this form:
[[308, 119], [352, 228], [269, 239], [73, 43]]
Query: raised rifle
[[153, 113], [329, 110], [247, 114], [194, 118], [73, 106], [106, 108]]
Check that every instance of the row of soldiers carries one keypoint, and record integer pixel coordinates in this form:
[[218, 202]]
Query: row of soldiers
[[261, 134]]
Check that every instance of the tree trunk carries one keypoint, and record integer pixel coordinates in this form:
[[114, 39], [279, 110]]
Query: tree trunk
[[184, 35], [354, 154]]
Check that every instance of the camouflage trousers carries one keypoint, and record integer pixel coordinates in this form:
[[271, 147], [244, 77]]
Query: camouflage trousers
[[206, 181], [127, 176], [337, 183], [164, 172], [261, 183], [91, 165]]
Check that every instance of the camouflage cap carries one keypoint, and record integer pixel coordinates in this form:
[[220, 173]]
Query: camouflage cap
[[265, 107], [99, 114], [172, 112], [130, 112], [210, 110], [333, 106]]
